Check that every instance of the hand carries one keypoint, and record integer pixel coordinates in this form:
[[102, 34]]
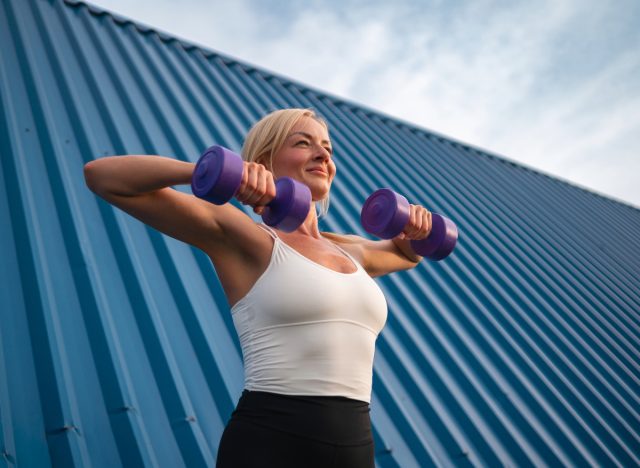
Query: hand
[[419, 225], [257, 188]]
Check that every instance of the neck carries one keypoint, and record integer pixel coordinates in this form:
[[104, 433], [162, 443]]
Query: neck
[[310, 225]]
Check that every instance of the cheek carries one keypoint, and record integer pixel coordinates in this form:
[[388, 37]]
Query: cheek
[[332, 169]]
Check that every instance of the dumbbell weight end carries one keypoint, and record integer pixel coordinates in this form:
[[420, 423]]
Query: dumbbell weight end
[[290, 207], [217, 175], [441, 241]]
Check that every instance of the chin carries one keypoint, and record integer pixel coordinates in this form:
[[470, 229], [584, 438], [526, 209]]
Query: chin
[[319, 195]]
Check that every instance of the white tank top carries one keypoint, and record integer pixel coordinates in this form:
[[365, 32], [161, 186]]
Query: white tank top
[[306, 329]]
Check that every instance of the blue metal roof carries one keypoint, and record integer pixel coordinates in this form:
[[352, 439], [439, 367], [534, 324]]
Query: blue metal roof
[[116, 343]]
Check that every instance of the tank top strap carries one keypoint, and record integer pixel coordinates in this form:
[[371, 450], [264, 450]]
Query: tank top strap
[[355, 262], [270, 231]]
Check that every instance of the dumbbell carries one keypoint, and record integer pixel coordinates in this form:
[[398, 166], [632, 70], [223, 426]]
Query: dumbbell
[[217, 177], [386, 213]]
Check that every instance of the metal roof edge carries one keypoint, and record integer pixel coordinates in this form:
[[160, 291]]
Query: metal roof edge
[[268, 74]]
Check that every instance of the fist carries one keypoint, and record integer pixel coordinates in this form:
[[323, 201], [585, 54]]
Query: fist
[[419, 224], [257, 187]]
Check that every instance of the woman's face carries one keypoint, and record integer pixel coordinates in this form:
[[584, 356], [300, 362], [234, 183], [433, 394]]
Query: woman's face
[[306, 157]]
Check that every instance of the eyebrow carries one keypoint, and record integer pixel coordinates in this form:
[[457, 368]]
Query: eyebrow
[[309, 136]]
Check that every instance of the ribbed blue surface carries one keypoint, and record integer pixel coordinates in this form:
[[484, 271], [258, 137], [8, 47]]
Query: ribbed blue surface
[[116, 344]]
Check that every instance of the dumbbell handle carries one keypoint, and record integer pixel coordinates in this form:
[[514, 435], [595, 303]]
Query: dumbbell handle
[[386, 213], [217, 178]]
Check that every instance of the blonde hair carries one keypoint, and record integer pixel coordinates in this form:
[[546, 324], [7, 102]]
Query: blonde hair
[[268, 135]]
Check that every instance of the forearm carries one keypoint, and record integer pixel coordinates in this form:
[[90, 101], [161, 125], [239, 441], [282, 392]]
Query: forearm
[[404, 246], [135, 175]]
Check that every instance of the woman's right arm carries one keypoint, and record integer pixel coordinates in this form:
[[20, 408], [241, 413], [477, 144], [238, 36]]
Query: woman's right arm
[[141, 186]]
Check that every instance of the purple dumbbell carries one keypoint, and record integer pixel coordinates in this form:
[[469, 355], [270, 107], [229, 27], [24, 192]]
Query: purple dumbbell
[[217, 177], [386, 213]]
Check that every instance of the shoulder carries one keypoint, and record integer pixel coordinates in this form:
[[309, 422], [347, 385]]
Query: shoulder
[[357, 246], [377, 257]]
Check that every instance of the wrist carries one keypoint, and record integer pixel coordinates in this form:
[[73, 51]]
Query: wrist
[[404, 246], [185, 173]]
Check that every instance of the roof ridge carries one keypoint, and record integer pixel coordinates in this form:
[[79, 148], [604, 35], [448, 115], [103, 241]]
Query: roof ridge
[[208, 51]]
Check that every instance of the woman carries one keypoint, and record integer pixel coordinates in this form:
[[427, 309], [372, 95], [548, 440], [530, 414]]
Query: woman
[[304, 305]]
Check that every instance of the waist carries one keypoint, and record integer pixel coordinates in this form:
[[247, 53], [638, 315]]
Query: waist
[[330, 358], [331, 419]]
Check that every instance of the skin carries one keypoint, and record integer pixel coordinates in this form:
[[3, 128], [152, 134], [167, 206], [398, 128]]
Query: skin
[[307, 157], [238, 248]]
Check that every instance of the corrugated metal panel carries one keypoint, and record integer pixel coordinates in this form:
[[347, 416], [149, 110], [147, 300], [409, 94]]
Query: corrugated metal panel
[[116, 345]]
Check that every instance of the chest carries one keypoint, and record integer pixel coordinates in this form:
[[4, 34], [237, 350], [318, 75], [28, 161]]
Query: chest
[[299, 290], [324, 254]]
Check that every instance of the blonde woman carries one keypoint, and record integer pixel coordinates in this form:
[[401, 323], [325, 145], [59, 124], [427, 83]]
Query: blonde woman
[[304, 304]]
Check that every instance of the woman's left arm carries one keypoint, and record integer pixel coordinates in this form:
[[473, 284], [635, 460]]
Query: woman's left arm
[[386, 256], [378, 258]]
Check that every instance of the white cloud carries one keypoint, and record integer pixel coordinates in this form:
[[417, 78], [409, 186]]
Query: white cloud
[[551, 84]]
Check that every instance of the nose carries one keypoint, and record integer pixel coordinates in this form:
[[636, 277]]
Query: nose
[[322, 153]]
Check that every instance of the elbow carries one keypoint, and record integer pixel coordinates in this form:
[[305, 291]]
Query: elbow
[[99, 177], [92, 176]]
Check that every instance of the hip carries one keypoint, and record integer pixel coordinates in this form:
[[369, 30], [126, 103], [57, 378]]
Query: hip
[[328, 419]]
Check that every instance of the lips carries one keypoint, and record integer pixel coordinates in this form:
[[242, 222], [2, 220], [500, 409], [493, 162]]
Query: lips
[[317, 170]]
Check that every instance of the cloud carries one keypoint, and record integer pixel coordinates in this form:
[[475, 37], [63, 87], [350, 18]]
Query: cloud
[[551, 84], [502, 81]]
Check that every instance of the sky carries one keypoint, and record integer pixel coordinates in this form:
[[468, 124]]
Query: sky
[[551, 84]]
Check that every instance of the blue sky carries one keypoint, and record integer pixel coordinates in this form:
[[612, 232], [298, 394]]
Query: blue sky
[[554, 85]]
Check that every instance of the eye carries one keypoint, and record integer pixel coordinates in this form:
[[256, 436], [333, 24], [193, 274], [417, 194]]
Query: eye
[[302, 142]]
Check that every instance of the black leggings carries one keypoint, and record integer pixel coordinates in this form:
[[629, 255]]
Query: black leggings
[[274, 430]]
